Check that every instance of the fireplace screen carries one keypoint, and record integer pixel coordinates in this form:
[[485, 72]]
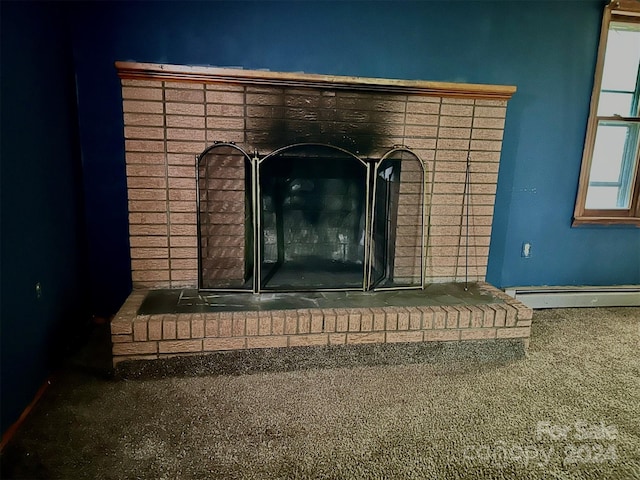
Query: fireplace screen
[[310, 217]]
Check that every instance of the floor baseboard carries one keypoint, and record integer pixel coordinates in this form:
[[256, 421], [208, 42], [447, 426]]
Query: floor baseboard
[[587, 296], [11, 431]]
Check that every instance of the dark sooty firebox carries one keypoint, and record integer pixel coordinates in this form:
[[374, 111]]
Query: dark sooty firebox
[[310, 217]]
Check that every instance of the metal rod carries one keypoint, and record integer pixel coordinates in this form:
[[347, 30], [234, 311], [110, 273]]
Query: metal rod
[[466, 202], [199, 223], [398, 287], [370, 254], [387, 271], [257, 210], [223, 290], [423, 246], [323, 145], [308, 290]]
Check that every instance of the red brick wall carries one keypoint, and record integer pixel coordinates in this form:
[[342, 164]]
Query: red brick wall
[[168, 123]]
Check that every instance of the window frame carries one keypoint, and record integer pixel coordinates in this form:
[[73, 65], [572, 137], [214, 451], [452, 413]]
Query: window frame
[[626, 11]]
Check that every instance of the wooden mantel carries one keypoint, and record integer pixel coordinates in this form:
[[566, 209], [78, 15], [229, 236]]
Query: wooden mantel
[[182, 73]]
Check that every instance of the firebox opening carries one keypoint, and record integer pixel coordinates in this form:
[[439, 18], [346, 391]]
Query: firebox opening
[[313, 201], [310, 217]]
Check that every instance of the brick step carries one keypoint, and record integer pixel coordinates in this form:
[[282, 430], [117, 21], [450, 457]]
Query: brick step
[[145, 337]]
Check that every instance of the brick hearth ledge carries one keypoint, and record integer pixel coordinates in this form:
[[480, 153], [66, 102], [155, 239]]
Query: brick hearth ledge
[[151, 337]]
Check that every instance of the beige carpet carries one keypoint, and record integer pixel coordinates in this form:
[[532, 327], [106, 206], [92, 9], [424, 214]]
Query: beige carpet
[[569, 410]]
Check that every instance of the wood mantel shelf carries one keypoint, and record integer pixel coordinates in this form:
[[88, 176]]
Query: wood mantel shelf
[[182, 73]]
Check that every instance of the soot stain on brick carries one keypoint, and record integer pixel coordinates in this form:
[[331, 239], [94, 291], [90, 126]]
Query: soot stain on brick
[[353, 121]]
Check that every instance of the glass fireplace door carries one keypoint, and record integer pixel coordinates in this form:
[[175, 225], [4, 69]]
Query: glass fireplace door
[[225, 219], [312, 219], [397, 221]]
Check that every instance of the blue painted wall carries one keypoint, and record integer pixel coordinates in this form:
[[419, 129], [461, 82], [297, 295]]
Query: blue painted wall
[[546, 49], [42, 220]]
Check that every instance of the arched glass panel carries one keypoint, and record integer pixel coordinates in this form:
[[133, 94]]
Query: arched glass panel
[[397, 226], [225, 219], [313, 215]]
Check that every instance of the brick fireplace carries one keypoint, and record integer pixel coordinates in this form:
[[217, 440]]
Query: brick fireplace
[[452, 134]]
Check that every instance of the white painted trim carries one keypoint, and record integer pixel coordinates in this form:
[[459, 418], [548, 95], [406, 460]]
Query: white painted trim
[[587, 296]]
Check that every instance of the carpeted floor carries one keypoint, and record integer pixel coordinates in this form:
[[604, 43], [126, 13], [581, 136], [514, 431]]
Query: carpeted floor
[[569, 410]]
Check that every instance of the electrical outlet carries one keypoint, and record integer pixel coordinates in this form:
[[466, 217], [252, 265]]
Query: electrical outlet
[[526, 250], [38, 291]]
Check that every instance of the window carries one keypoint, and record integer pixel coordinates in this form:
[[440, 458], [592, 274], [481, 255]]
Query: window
[[609, 187]]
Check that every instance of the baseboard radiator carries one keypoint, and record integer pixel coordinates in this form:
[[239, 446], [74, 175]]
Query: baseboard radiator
[[587, 296]]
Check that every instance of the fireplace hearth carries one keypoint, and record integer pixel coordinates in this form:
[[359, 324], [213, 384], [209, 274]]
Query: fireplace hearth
[[342, 210]]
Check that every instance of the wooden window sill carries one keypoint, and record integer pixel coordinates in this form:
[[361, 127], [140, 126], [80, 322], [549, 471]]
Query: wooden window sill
[[612, 221]]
